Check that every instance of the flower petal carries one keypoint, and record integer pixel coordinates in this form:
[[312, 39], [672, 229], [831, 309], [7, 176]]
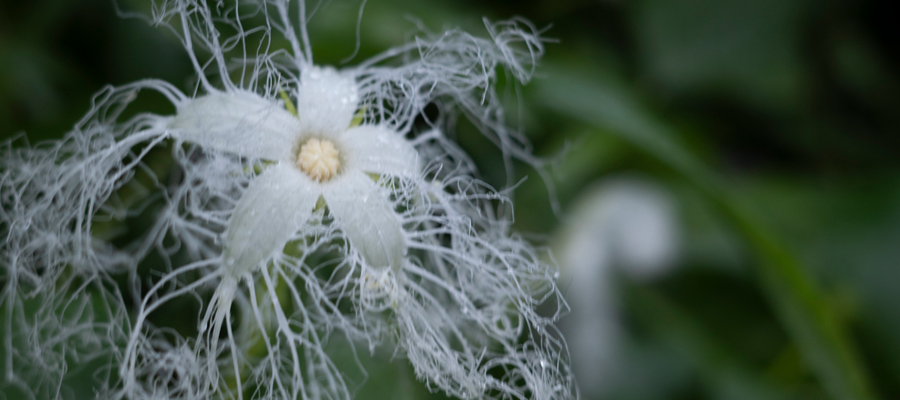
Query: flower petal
[[367, 218], [326, 101], [379, 150], [242, 122], [275, 207]]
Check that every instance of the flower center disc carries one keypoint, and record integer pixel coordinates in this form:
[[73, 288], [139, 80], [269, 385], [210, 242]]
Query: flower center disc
[[319, 159]]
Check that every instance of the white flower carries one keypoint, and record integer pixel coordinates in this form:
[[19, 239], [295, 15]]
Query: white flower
[[315, 154], [406, 248]]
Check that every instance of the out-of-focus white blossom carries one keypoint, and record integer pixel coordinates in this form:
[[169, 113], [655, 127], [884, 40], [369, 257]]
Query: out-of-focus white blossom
[[626, 224]]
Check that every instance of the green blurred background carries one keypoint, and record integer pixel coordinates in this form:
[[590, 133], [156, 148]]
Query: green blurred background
[[771, 124]]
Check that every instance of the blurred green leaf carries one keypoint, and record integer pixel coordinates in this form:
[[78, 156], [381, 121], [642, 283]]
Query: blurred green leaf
[[745, 48], [724, 375]]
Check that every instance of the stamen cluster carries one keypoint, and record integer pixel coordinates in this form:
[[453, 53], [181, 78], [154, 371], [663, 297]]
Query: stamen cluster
[[318, 159]]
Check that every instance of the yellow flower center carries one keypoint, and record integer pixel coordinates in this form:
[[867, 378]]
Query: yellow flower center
[[319, 159]]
